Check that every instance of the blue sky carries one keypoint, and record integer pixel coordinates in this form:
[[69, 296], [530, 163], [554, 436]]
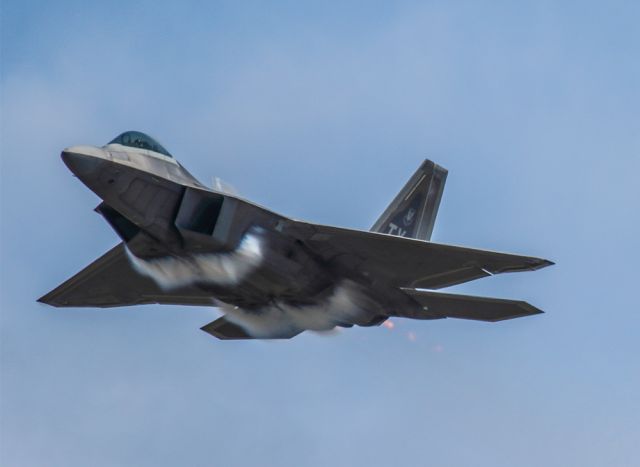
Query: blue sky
[[321, 111]]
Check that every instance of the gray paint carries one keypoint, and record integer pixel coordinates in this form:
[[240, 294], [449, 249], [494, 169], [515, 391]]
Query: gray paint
[[274, 276]]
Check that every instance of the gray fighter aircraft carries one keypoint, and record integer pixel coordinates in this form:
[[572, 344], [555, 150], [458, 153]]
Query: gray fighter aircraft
[[272, 277]]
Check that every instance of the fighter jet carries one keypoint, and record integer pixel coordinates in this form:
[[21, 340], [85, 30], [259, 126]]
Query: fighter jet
[[273, 277]]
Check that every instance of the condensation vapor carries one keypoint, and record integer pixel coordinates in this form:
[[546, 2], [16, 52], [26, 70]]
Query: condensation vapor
[[220, 268], [347, 304]]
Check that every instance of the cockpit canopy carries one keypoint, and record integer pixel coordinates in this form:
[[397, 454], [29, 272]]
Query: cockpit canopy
[[136, 139]]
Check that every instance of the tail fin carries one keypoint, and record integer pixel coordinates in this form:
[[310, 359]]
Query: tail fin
[[413, 211]]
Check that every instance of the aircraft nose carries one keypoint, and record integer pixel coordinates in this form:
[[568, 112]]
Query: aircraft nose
[[82, 160], [79, 164]]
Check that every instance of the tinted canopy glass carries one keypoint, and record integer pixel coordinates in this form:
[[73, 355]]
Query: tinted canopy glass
[[136, 139]]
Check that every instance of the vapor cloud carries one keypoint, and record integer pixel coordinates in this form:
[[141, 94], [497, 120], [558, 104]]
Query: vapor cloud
[[220, 268], [346, 304]]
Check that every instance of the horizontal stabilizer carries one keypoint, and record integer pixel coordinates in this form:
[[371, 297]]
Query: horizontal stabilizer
[[441, 305], [224, 329]]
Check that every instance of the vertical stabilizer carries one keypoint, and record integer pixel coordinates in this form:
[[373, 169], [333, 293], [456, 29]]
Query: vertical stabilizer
[[413, 211]]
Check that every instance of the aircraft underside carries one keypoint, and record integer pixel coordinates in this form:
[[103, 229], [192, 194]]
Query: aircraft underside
[[274, 292], [271, 276]]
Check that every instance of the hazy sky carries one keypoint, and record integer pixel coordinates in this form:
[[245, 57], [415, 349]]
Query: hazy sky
[[321, 111]]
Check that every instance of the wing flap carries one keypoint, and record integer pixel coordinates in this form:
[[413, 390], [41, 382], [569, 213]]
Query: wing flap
[[111, 281], [470, 307]]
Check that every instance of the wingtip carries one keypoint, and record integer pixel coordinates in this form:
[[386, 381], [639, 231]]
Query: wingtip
[[533, 310], [50, 300], [43, 300], [540, 263]]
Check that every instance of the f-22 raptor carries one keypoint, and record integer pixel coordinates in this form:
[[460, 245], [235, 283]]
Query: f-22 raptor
[[273, 277]]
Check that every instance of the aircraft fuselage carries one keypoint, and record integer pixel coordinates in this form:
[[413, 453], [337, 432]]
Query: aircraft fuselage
[[164, 215]]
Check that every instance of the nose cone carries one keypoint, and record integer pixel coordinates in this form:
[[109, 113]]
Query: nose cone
[[80, 164], [83, 160]]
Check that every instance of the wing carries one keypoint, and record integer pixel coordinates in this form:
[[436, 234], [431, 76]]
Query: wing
[[406, 262], [441, 305], [111, 281]]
